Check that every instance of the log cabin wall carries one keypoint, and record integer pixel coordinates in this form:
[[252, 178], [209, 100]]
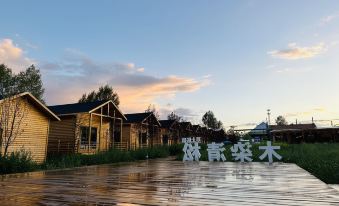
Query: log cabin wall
[[103, 133], [34, 132], [126, 134], [62, 135]]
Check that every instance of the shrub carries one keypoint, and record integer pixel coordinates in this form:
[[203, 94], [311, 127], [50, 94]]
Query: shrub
[[19, 161]]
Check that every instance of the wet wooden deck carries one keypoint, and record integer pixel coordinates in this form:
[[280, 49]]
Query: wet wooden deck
[[164, 182]]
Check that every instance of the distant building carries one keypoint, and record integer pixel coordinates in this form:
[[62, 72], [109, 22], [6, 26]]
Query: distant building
[[170, 131], [141, 130]]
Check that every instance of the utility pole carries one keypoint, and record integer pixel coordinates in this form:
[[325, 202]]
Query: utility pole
[[268, 117], [268, 124]]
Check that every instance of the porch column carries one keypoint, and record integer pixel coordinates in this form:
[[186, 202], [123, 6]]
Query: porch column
[[90, 132], [121, 131], [100, 131]]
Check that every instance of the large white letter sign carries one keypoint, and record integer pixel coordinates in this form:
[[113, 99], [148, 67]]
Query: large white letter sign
[[191, 152], [240, 153], [215, 152], [269, 152]]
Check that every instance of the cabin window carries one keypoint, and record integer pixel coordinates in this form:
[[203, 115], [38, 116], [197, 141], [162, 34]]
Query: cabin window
[[84, 137]]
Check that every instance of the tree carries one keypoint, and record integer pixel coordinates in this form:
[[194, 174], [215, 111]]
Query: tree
[[6, 78], [104, 93], [151, 108], [12, 112], [26, 81], [210, 121], [281, 120], [174, 116], [30, 81]]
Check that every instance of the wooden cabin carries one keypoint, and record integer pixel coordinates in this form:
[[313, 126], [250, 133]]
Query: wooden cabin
[[170, 132], [185, 129], [293, 133], [204, 134], [141, 130], [30, 128], [196, 130], [86, 128]]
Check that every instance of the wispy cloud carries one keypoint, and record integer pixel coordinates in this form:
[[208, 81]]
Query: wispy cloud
[[77, 73], [306, 113], [186, 113], [295, 52], [329, 18], [13, 56]]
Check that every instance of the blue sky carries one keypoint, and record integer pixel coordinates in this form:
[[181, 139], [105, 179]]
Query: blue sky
[[236, 58]]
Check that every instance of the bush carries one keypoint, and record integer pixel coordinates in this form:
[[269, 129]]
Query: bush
[[20, 161]]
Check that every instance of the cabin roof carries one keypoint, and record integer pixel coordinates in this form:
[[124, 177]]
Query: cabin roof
[[293, 127], [75, 108], [167, 123], [139, 117], [67, 109], [196, 127], [36, 103], [185, 125]]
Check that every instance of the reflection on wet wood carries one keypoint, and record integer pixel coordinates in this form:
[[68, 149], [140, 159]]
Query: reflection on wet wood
[[164, 182]]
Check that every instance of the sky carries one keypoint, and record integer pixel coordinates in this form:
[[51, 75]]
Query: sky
[[235, 58]]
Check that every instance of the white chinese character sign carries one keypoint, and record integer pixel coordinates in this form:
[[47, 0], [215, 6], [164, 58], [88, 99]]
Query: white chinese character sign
[[242, 151], [270, 152], [191, 149], [216, 152]]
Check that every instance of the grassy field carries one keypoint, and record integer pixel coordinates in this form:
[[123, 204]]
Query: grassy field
[[321, 160]]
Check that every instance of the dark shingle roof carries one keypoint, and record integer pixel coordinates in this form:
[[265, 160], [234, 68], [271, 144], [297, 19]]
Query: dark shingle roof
[[166, 123], [184, 125], [293, 127], [137, 117], [196, 127], [75, 108]]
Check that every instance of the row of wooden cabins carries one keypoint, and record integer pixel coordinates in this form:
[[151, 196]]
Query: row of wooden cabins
[[92, 127]]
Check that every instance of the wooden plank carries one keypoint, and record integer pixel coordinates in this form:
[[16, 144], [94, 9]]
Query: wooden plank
[[164, 182]]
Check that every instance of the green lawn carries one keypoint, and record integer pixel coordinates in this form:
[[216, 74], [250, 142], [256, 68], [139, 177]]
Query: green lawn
[[321, 160]]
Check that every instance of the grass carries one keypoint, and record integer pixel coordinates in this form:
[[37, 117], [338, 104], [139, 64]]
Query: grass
[[321, 160], [22, 162]]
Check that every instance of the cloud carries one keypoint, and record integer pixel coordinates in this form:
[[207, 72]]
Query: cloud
[[76, 73], [295, 52], [13, 56], [306, 113], [186, 113], [328, 19]]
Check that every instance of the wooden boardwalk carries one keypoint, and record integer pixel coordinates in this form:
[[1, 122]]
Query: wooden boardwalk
[[164, 182]]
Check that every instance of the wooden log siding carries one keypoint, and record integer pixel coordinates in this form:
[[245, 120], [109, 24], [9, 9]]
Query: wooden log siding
[[34, 135], [84, 121], [62, 135]]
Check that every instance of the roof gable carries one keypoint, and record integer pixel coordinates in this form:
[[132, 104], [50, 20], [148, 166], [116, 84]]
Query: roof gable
[[140, 117], [34, 101], [167, 123], [67, 109]]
